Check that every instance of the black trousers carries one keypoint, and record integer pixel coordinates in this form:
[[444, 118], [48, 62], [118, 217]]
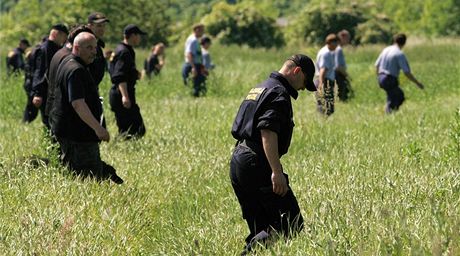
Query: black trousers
[[129, 120], [262, 209], [343, 86], [395, 96]]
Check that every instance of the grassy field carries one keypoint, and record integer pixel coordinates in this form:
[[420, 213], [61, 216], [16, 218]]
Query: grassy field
[[367, 183]]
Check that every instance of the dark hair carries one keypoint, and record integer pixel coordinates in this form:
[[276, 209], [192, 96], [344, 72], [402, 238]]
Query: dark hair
[[400, 39], [205, 40], [77, 29]]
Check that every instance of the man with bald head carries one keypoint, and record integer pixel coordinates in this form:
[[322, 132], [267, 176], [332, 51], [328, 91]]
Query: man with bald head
[[77, 112]]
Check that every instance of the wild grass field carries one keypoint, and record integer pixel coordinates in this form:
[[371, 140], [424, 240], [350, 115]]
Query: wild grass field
[[367, 183]]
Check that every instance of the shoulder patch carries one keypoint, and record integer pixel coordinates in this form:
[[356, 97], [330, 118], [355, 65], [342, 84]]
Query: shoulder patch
[[254, 93]]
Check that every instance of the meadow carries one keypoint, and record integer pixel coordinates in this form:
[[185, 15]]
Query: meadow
[[367, 183]]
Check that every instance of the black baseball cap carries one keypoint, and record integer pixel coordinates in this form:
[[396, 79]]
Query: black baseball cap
[[308, 69], [97, 17], [61, 27], [24, 41], [133, 29]]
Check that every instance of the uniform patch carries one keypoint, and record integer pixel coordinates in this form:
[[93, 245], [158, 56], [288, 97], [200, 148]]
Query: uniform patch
[[254, 93]]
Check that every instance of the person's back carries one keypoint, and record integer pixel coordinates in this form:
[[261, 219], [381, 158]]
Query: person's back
[[391, 61]]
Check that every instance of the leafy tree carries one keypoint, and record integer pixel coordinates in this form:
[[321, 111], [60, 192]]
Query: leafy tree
[[242, 25]]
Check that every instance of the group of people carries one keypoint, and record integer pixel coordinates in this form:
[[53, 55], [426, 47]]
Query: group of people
[[64, 84], [332, 69], [62, 77], [264, 125]]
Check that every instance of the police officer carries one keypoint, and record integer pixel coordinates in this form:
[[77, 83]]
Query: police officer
[[57, 59], [97, 23], [124, 74], [76, 112], [263, 129], [15, 59], [390, 61], [30, 111], [56, 39]]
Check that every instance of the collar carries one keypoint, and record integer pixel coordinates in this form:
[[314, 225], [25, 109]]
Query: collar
[[278, 76], [79, 60]]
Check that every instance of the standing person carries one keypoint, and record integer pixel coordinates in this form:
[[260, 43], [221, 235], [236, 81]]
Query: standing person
[[56, 39], [30, 111], [194, 61], [155, 62], [124, 75], [390, 61], [325, 61], [263, 128], [77, 110], [15, 59], [58, 58], [97, 23], [341, 74], [205, 44]]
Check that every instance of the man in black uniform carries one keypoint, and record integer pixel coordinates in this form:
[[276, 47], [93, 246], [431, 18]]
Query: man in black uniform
[[30, 111], [97, 22], [263, 128], [57, 59], [77, 109], [124, 74], [15, 60], [43, 56]]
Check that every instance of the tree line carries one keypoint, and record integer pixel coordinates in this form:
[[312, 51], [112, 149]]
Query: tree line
[[250, 22]]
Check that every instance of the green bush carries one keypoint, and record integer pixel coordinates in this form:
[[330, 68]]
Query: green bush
[[377, 30], [242, 25]]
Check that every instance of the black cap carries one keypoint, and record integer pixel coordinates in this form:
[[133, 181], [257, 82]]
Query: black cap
[[308, 68], [24, 41], [133, 29], [61, 27], [97, 17]]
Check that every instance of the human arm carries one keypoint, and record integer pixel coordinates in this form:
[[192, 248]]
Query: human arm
[[270, 146], [38, 78], [411, 77], [189, 57], [322, 77], [125, 100], [83, 111]]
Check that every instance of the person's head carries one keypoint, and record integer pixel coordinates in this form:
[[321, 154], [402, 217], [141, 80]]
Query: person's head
[[58, 34], [158, 49], [205, 42], [198, 30], [299, 70], [24, 43], [77, 29], [97, 22], [132, 34], [84, 46], [344, 37], [332, 41], [400, 39]]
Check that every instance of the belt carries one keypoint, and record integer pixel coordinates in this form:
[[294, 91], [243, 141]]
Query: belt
[[250, 144]]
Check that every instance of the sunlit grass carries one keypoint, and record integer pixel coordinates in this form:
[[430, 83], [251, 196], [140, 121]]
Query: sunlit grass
[[367, 183]]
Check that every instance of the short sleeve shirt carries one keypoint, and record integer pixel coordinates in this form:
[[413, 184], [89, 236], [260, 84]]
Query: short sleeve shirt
[[193, 46], [391, 61], [340, 58], [326, 59]]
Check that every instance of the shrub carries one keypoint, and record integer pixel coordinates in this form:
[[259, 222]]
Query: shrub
[[242, 25]]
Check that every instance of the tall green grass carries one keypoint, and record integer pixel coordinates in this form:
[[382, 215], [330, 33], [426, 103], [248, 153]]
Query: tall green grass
[[367, 183]]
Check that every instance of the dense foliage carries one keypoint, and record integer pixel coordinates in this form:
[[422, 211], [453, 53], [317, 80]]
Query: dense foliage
[[248, 22], [239, 24]]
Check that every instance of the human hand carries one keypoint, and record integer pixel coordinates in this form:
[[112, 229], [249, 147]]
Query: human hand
[[126, 102], [194, 73], [279, 183], [37, 101], [102, 134]]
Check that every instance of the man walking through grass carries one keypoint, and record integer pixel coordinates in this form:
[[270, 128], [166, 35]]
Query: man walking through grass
[[263, 129], [388, 65], [77, 110]]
